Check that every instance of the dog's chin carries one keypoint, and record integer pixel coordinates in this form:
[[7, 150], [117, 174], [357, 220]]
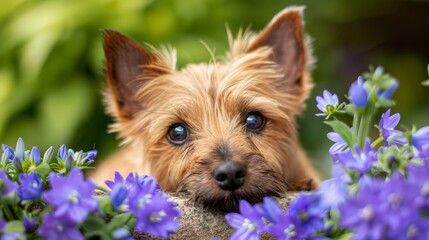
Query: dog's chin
[[212, 197]]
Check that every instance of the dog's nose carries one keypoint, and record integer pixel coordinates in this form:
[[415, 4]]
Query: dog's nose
[[230, 175]]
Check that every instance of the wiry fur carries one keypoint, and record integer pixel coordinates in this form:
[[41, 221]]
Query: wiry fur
[[212, 100]]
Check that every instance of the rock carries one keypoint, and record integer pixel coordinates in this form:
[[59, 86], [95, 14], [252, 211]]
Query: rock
[[199, 223]]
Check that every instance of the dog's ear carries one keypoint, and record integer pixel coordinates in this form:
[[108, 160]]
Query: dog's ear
[[125, 64], [284, 34]]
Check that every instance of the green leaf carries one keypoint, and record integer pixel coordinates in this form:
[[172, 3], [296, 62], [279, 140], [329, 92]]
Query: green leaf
[[93, 223], [121, 220], [15, 226], [342, 129]]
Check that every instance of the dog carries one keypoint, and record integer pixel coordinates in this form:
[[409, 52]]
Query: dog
[[221, 131]]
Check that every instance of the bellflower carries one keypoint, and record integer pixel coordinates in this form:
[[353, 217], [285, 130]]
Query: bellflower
[[9, 150], [248, 223], [327, 104], [360, 161], [35, 155], [58, 228], [269, 209], [365, 213], [358, 93], [332, 193], [387, 94], [29, 223], [420, 137], [157, 217], [387, 126], [118, 194], [20, 149], [71, 196], [339, 143], [31, 186], [7, 186]]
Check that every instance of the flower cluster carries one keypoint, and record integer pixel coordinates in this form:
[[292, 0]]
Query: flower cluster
[[379, 189], [49, 197]]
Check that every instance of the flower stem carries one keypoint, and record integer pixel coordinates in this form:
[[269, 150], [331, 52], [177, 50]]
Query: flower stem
[[376, 142], [103, 189], [355, 128], [365, 122], [7, 211]]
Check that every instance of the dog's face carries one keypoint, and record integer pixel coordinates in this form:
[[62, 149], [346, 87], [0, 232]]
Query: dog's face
[[219, 131]]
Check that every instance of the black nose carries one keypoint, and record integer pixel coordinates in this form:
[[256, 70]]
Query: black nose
[[230, 175]]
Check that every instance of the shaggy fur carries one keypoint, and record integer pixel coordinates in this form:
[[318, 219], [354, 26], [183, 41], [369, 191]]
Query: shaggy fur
[[266, 72]]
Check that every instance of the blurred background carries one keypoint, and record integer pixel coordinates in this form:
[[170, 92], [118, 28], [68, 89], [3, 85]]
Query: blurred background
[[51, 58]]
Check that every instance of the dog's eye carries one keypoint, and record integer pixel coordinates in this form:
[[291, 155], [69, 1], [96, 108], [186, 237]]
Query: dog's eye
[[255, 121], [177, 133]]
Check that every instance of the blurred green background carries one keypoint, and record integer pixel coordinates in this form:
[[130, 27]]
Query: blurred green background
[[51, 59]]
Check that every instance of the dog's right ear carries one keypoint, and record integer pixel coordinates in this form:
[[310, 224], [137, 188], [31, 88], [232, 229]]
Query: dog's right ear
[[125, 65]]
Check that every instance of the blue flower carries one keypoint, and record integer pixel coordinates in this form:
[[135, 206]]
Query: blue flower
[[71, 196], [58, 228], [327, 104], [29, 223], [303, 219], [420, 137], [31, 186], [339, 144], [7, 186], [9, 151], [332, 192], [387, 126], [62, 152], [365, 213], [358, 93], [360, 161], [387, 94], [248, 223], [157, 216], [121, 234], [118, 194], [35, 155], [269, 209], [20, 149]]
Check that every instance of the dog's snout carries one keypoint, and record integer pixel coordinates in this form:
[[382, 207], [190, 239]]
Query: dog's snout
[[230, 175]]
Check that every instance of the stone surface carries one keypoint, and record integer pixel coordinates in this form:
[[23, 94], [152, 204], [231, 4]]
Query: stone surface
[[200, 223]]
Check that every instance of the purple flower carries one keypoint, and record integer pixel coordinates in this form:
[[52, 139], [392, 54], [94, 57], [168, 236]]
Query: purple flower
[[339, 144], [386, 94], [387, 126], [118, 195], [365, 213], [358, 93], [62, 152], [121, 234], [31, 186], [35, 155], [328, 103], [71, 196], [248, 223], [420, 137], [91, 155], [303, 219], [58, 228], [118, 179], [9, 151], [269, 209], [332, 193], [7, 186], [29, 223], [360, 161], [157, 216], [20, 149]]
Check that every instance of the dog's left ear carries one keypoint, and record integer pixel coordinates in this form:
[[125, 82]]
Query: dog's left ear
[[284, 34]]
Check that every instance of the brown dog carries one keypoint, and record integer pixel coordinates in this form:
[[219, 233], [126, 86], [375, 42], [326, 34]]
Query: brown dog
[[219, 131]]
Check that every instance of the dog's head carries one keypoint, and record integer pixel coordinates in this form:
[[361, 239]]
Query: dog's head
[[220, 131]]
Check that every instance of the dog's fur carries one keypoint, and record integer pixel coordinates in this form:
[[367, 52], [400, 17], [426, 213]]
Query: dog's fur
[[266, 72]]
